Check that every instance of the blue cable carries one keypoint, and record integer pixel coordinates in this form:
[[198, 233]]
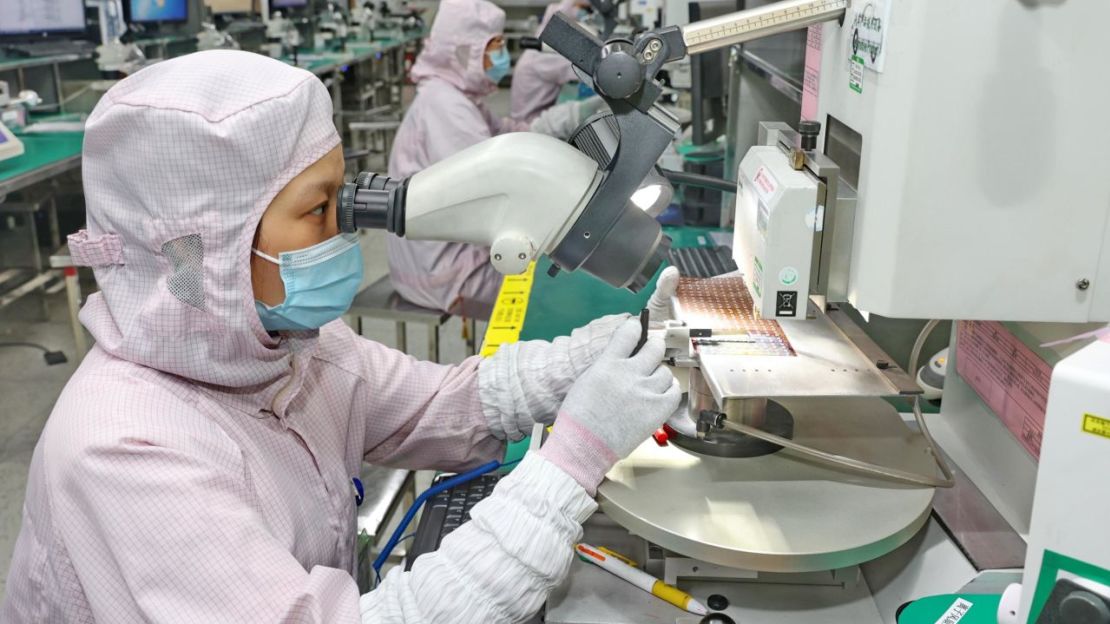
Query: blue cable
[[430, 492]]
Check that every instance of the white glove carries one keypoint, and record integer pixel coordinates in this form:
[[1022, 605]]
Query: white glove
[[561, 120], [659, 306], [613, 408], [525, 382]]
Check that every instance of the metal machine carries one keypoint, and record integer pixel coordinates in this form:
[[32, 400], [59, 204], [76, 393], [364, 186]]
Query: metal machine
[[903, 195], [13, 116], [10, 145]]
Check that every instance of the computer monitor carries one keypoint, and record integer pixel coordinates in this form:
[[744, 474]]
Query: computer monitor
[[232, 7], [710, 76], [154, 11], [287, 4], [38, 17]]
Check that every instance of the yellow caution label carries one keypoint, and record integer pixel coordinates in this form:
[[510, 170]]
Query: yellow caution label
[[1096, 425], [508, 311]]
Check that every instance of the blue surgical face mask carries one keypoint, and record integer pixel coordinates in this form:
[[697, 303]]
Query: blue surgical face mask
[[320, 281], [501, 63]]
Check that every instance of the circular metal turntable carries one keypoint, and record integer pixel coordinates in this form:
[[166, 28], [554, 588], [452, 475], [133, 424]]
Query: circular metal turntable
[[780, 512]]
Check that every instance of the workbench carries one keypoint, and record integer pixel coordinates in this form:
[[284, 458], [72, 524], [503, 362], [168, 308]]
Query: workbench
[[44, 156]]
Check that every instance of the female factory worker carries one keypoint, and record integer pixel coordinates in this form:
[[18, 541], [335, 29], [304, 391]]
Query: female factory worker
[[197, 467], [463, 60], [539, 76]]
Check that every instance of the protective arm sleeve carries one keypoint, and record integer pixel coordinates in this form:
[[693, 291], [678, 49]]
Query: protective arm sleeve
[[500, 566], [525, 382], [561, 120]]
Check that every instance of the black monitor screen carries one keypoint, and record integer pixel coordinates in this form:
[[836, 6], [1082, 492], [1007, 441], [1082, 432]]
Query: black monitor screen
[[287, 4], [710, 76], [41, 16], [143, 11]]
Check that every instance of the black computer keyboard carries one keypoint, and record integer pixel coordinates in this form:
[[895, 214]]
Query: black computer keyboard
[[703, 261], [446, 512]]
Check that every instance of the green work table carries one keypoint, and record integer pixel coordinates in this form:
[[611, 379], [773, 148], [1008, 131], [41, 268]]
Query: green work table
[[44, 156], [567, 301], [326, 61], [8, 64]]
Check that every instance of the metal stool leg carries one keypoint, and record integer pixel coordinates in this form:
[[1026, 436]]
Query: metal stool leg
[[402, 339], [472, 337], [433, 343], [73, 298]]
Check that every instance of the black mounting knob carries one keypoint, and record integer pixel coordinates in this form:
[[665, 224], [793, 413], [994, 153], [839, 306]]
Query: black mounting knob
[[619, 74], [809, 131]]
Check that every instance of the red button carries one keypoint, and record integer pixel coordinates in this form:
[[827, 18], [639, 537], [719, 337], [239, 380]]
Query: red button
[[660, 436]]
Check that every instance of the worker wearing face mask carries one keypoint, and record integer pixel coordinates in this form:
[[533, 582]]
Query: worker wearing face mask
[[198, 465], [463, 60]]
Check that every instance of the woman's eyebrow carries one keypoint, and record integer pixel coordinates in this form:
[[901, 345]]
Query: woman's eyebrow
[[314, 190]]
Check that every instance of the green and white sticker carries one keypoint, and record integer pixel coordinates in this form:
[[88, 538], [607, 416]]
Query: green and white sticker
[[788, 276], [855, 74]]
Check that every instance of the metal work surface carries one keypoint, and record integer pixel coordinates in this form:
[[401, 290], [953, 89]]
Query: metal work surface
[[14, 64], [982, 533], [385, 488], [752, 357], [780, 513]]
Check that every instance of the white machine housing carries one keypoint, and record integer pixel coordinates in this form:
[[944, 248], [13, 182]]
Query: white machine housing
[[518, 216], [10, 146], [1070, 508], [982, 182], [776, 214]]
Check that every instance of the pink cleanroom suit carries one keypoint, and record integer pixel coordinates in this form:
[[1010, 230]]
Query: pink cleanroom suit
[[196, 468], [539, 76], [447, 116]]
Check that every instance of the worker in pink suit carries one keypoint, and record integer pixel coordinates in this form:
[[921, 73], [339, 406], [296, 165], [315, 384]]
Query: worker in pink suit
[[198, 465], [462, 61], [538, 76]]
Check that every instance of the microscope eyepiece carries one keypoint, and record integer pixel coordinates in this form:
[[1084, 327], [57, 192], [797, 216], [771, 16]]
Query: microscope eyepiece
[[372, 201]]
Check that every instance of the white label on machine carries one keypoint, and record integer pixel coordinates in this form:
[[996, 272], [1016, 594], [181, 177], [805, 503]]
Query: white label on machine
[[855, 74], [765, 183], [762, 219], [956, 612], [869, 27]]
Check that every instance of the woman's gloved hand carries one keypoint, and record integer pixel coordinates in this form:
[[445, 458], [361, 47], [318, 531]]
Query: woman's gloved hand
[[659, 306], [525, 382], [561, 120], [613, 408]]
